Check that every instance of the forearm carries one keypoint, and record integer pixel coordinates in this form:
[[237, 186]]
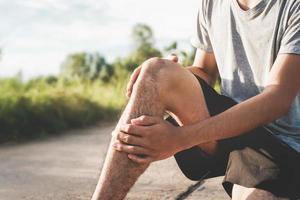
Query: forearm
[[257, 111]]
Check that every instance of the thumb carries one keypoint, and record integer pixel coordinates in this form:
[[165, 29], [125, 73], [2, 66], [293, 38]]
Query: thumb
[[173, 57]]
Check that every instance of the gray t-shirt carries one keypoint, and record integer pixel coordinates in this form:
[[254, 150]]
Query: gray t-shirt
[[246, 44]]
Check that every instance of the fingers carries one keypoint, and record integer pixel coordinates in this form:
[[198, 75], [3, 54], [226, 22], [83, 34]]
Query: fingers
[[140, 160], [138, 126], [133, 130], [173, 57], [130, 139], [132, 80], [146, 120], [130, 149]]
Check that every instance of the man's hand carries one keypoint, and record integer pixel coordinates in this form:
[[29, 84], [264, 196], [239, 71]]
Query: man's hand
[[136, 74], [148, 139]]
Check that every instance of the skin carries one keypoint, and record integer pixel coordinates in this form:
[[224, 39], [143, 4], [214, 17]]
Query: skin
[[145, 132], [283, 85], [247, 4], [162, 84]]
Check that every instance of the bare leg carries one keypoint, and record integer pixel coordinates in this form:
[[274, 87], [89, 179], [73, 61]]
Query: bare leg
[[162, 85], [119, 173]]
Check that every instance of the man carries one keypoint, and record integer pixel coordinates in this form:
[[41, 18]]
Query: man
[[250, 134]]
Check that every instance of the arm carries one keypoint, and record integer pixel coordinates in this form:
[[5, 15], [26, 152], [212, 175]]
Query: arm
[[205, 66], [279, 94]]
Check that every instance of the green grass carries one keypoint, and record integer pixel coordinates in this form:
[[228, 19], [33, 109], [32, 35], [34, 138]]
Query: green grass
[[40, 107], [34, 110], [218, 87]]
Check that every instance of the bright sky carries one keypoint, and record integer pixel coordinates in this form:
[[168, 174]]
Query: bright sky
[[36, 35]]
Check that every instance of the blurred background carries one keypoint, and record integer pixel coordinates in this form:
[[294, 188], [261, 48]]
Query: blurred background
[[65, 64]]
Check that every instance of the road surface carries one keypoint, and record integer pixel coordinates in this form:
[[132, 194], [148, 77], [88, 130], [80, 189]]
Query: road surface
[[67, 167]]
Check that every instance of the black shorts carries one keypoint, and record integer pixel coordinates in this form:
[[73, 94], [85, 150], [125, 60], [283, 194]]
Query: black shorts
[[256, 159]]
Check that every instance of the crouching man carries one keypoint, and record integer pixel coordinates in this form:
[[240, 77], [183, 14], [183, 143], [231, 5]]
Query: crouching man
[[250, 134]]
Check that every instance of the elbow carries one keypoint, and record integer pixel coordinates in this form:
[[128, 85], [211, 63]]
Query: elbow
[[283, 101], [278, 101], [287, 101]]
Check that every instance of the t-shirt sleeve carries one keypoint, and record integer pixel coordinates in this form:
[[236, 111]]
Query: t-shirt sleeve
[[201, 38], [290, 42]]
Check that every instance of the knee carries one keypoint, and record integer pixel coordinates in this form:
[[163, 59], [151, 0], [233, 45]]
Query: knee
[[162, 71], [153, 66], [158, 73]]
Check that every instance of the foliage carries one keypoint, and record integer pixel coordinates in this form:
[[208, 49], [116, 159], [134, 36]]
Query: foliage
[[28, 111], [187, 59], [86, 66], [143, 39], [87, 89]]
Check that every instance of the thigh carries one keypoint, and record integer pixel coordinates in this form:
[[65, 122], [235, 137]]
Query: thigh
[[195, 163], [260, 160], [181, 93], [183, 96], [256, 159]]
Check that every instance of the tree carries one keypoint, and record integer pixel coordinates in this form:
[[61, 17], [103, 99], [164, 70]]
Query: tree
[[171, 47], [187, 58], [143, 42], [142, 35], [86, 66]]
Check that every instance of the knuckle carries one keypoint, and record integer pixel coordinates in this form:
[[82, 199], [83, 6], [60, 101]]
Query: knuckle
[[144, 118], [133, 148], [119, 135], [121, 147], [127, 139], [126, 128], [129, 128]]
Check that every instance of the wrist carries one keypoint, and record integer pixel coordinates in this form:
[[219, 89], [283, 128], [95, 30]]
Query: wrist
[[183, 138]]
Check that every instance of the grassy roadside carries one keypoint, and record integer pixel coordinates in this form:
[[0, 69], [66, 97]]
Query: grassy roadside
[[41, 108], [32, 111]]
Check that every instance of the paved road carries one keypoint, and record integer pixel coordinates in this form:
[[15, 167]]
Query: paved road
[[67, 167]]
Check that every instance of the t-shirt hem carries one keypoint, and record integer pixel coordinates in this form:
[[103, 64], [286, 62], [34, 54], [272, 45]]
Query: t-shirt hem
[[290, 50], [198, 45]]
